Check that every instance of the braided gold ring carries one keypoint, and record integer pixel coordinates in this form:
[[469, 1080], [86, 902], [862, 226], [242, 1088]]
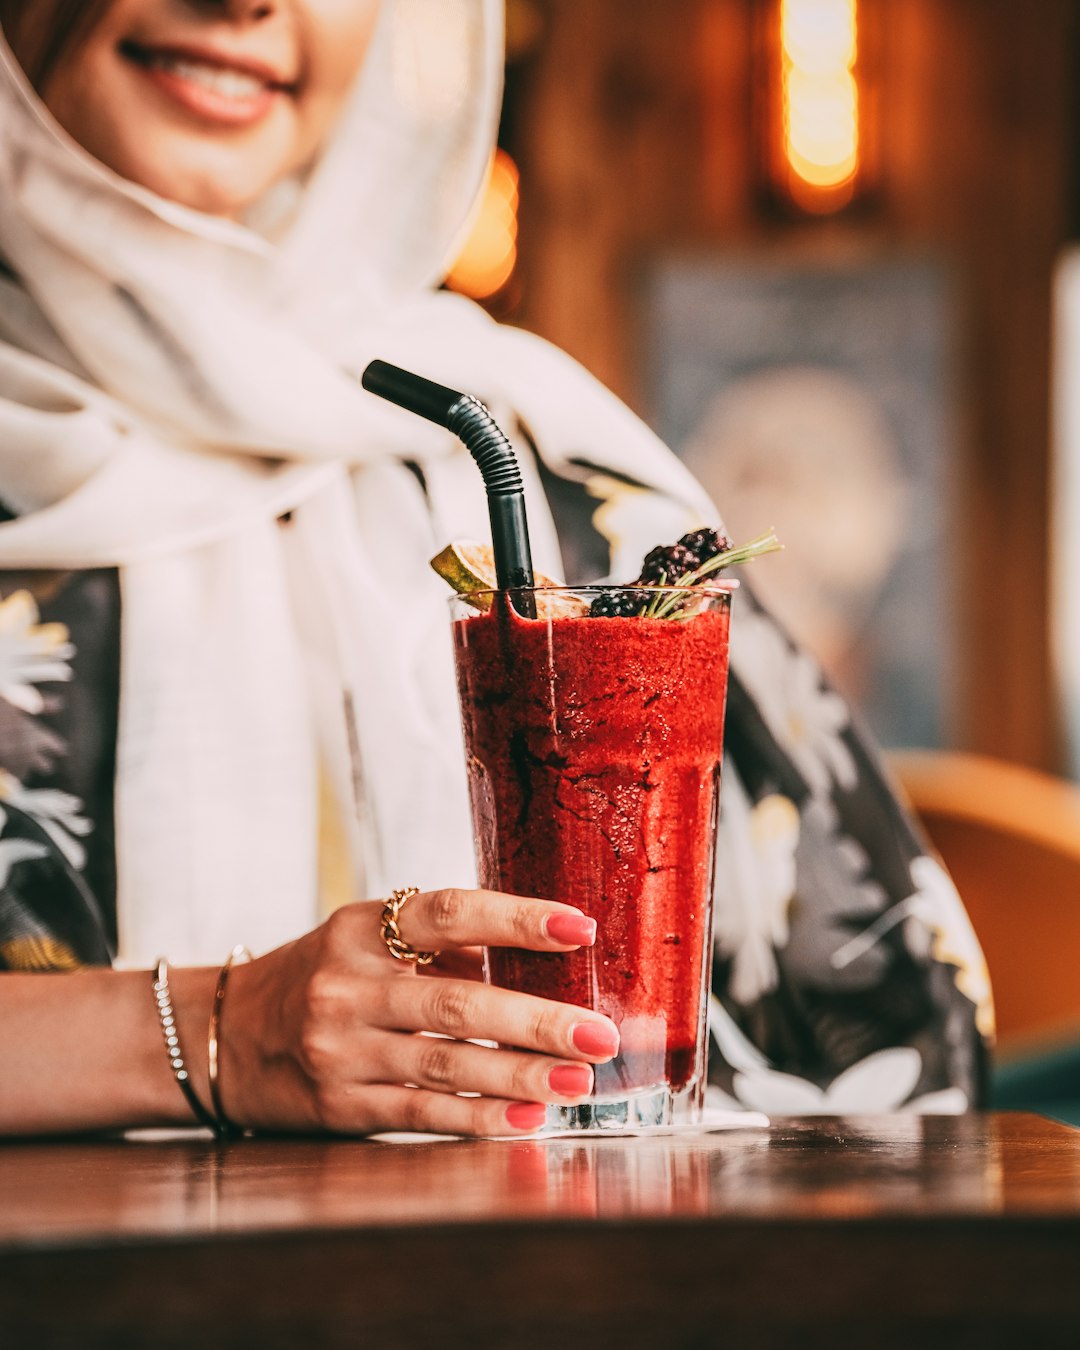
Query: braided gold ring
[[391, 933]]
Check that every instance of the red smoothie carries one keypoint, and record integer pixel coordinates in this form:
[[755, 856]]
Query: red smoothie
[[594, 748]]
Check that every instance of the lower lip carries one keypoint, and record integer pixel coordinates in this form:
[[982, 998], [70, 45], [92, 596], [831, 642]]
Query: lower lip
[[210, 106]]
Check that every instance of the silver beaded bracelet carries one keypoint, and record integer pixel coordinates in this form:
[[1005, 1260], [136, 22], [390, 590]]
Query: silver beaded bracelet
[[172, 1045]]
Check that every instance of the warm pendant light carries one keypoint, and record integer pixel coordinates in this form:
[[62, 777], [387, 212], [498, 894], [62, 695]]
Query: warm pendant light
[[816, 118]]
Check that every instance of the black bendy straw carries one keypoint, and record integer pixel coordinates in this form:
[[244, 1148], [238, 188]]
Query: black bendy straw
[[485, 440]]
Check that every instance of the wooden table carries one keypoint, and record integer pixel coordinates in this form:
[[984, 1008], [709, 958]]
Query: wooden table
[[869, 1232]]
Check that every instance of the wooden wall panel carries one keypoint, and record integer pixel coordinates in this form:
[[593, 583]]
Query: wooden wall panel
[[980, 161]]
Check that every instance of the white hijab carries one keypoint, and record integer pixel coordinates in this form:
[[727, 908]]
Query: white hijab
[[172, 384]]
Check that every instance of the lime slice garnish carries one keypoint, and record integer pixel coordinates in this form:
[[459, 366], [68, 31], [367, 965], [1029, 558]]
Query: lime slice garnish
[[469, 567]]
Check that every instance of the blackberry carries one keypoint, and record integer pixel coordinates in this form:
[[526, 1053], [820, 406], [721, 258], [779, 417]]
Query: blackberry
[[705, 544], [666, 566], [617, 604]]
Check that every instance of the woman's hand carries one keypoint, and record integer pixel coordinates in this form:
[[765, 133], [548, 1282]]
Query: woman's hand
[[322, 1033]]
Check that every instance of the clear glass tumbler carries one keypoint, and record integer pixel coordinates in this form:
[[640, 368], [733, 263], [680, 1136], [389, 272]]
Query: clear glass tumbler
[[594, 746]]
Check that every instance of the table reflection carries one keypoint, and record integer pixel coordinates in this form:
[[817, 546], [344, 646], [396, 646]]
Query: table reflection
[[854, 1167]]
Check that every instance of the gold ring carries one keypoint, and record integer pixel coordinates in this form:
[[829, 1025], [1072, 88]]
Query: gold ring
[[391, 933]]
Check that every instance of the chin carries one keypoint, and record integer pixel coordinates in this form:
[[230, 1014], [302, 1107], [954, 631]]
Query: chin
[[209, 198], [209, 184]]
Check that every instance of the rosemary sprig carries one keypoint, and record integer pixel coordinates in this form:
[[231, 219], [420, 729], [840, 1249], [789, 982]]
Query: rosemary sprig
[[652, 609], [732, 557]]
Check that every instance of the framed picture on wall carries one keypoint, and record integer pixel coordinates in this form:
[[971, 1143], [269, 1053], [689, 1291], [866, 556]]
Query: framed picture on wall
[[818, 399]]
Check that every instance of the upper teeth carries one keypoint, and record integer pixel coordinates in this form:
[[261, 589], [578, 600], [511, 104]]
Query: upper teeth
[[226, 83]]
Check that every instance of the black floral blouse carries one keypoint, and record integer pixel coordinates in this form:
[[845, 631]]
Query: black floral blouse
[[59, 694]]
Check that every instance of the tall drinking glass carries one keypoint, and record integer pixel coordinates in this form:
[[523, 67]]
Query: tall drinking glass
[[594, 747]]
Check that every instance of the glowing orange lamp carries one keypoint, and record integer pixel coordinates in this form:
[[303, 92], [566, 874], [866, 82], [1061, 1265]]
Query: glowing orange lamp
[[816, 115], [489, 255]]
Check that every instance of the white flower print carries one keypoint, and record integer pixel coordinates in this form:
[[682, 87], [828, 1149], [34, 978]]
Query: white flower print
[[935, 923], [805, 718], [755, 883], [882, 1082], [14, 851], [936, 907], [628, 515], [946, 1102], [58, 814], [30, 652], [836, 872]]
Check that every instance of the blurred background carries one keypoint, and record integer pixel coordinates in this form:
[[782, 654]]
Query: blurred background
[[824, 247]]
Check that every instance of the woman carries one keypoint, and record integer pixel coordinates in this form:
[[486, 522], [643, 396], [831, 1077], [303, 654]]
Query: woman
[[212, 216]]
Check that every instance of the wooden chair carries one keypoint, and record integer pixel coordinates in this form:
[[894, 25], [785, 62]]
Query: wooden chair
[[1010, 836]]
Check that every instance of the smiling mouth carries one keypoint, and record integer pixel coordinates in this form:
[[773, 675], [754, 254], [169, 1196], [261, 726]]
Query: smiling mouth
[[213, 88]]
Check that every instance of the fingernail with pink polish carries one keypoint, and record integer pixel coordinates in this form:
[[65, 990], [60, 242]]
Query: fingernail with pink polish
[[572, 928], [596, 1038], [526, 1115], [571, 1080]]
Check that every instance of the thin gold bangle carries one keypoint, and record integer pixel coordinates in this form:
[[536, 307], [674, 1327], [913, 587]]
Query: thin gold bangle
[[226, 1129]]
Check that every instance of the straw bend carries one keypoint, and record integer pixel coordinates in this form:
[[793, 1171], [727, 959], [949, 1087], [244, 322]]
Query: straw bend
[[490, 447], [488, 444]]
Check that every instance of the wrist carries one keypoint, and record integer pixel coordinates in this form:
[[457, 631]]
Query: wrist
[[257, 1071]]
